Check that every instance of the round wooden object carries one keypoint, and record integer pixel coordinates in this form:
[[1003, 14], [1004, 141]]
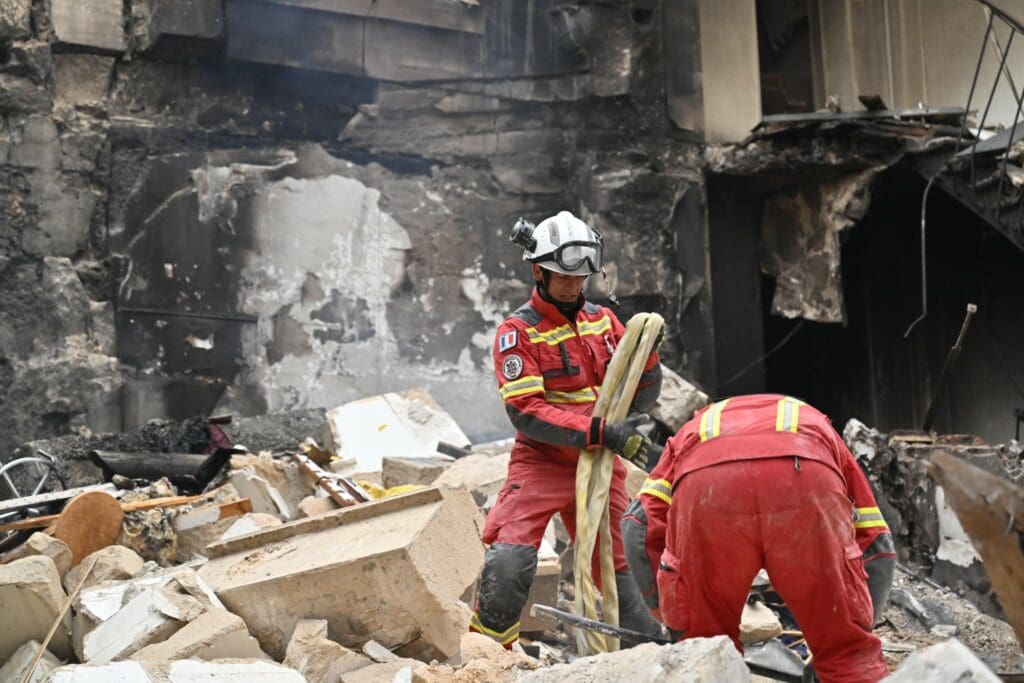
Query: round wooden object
[[90, 522]]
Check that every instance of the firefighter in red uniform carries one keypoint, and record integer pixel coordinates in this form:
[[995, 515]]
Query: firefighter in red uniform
[[550, 358], [764, 481]]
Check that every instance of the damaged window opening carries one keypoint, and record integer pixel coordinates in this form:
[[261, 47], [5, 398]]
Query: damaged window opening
[[281, 399]]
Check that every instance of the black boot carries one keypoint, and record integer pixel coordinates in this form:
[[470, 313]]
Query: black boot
[[633, 612]]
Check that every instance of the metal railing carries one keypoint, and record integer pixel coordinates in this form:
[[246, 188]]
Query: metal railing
[[987, 162]]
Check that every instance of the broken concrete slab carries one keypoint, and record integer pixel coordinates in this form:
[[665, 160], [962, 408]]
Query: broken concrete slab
[[45, 545], [635, 478], [192, 671], [422, 471], [17, 666], [427, 542], [31, 597], [318, 658], [481, 474], [150, 617], [316, 505], [948, 661], [482, 659], [677, 401], [398, 671], [97, 604], [113, 563], [708, 660], [122, 672], [251, 523], [215, 634], [103, 601], [265, 498], [185, 671], [284, 474], [403, 425], [195, 530], [89, 23], [378, 652], [758, 623]]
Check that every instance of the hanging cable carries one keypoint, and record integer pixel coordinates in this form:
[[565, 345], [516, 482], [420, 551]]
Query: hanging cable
[[924, 264], [765, 356]]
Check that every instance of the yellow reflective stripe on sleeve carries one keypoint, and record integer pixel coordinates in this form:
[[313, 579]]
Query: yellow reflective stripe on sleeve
[[565, 332], [585, 395], [504, 637], [521, 387], [711, 421], [659, 488], [787, 418], [868, 518]]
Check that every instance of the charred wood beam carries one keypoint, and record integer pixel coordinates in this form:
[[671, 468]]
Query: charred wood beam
[[186, 470], [991, 511]]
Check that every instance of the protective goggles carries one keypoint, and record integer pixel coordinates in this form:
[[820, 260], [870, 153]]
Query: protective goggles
[[573, 256]]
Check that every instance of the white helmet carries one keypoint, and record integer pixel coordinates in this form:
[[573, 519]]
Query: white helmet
[[562, 243]]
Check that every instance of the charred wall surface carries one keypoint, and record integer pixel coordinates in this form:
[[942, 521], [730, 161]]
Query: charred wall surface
[[206, 210]]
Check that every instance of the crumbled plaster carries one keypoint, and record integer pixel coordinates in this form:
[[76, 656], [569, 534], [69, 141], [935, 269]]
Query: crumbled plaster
[[800, 231]]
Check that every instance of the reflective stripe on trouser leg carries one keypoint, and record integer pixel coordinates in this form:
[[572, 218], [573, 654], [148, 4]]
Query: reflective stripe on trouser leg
[[504, 586]]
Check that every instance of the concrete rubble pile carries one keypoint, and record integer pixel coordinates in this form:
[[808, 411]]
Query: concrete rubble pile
[[277, 569], [354, 562], [925, 528]]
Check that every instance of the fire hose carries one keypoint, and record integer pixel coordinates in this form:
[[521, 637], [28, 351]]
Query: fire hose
[[593, 484]]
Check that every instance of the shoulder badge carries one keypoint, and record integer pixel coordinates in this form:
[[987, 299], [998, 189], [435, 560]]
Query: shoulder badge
[[507, 341], [512, 367]]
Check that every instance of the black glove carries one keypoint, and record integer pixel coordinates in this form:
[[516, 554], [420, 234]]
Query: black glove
[[624, 439]]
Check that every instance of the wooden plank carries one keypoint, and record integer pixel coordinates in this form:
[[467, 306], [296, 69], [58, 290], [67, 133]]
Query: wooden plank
[[454, 16], [169, 501], [235, 508], [44, 520], [991, 511], [90, 522], [54, 497], [31, 523]]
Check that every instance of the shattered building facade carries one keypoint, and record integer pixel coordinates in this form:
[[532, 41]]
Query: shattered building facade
[[235, 215], [255, 205]]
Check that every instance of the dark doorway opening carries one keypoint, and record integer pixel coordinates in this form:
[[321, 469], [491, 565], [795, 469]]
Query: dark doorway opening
[[866, 368]]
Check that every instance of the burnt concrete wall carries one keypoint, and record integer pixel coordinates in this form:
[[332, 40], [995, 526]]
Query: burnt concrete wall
[[190, 232]]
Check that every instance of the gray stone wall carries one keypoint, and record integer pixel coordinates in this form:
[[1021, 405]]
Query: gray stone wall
[[188, 228]]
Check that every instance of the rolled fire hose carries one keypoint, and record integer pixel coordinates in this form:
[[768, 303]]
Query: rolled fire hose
[[593, 484]]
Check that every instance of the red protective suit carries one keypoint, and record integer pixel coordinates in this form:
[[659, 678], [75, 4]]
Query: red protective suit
[[765, 481], [549, 372]]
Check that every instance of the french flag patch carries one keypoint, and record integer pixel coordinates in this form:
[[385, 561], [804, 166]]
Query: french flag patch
[[507, 341]]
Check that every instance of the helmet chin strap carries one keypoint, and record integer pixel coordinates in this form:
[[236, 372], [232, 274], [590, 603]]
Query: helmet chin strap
[[568, 310]]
